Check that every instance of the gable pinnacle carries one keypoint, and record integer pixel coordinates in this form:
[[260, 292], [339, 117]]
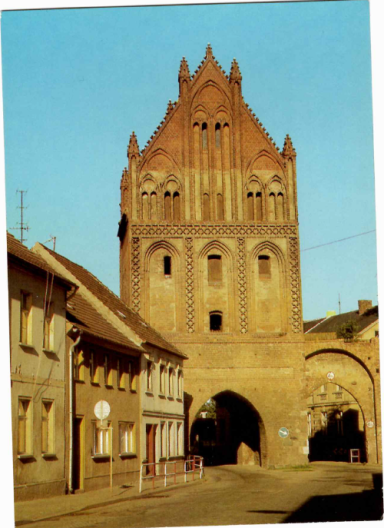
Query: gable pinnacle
[[288, 149], [208, 52], [133, 147], [235, 74], [184, 70]]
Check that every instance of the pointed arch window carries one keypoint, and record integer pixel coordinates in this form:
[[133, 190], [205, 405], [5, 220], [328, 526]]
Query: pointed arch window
[[218, 135], [204, 133], [145, 206], [250, 206], [220, 207], [264, 267], [167, 206], [259, 207], [215, 269], [206, 213], [280, 206], [272, 206], [153, 206], [176, 206]]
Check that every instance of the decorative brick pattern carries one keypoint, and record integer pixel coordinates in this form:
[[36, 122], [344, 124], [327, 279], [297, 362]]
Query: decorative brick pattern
[[136, 274], [160, 230], [295, 284], [242, 285], [190, 285]]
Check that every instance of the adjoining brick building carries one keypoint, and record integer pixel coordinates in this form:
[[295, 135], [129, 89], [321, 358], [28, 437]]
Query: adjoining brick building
[[209, 255]]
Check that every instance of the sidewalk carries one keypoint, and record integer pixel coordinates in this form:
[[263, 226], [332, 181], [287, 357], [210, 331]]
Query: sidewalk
[[44, 509]]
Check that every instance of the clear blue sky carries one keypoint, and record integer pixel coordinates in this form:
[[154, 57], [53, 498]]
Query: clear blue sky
[[77, 82]]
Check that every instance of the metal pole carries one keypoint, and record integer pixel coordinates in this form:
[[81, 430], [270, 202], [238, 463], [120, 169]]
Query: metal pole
[[110, 458]]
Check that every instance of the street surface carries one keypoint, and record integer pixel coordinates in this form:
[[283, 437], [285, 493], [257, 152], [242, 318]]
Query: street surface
[[231, 495]]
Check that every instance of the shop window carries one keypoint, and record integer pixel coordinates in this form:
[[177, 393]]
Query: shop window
[[24, 446], [47, 427], [127, 438], [26, 318], [215, 272], [215, 321]]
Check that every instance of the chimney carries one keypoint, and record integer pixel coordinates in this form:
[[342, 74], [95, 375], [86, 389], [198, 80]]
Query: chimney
[[364, 306]]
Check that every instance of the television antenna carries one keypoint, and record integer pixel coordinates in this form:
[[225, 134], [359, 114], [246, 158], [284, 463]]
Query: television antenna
[[23, 227]]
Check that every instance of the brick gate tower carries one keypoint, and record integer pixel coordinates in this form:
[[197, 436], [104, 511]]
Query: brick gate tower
[[209, 256]]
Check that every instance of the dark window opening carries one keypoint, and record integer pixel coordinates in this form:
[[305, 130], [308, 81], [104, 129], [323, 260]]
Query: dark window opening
[[215, 321], [204, 134], [264, 266], [167, 266], [215, 272], [167, 206], [217, 135], [206, 212]]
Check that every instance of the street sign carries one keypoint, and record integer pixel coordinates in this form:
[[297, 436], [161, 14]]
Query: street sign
[[283, 432], [102, 410]]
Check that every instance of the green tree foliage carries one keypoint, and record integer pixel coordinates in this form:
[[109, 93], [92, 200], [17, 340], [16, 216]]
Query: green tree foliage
[[348, 330], [208, 407]]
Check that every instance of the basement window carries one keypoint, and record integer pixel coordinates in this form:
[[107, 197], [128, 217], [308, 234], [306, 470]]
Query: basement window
[[215, 321], [167, 266]]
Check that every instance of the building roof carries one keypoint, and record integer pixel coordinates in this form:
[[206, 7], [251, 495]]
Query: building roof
[[331, 324], [125, 314], [27, 257], [82, 315]]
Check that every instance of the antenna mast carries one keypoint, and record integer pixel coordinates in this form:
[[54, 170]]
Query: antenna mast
[[339, 305], [23, 227]]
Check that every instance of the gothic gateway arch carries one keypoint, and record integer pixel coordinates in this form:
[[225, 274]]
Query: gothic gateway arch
[[209, 253]]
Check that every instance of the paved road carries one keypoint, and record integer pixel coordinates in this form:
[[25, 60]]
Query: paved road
[[232, 495]]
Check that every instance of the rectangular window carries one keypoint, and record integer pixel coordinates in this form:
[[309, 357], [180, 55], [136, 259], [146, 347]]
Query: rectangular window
[[26, 318], [215, 272], [170, 381], [171, 442], [179, 439], [107, 370], [127, 437], [48, 327], [163, 445], [24, 446], [149, 376], [78, 365], [179, 384], [47, 427], [132, 376], [162, 379], [264, 266], [101, 439], [94, 367], [120, 367]]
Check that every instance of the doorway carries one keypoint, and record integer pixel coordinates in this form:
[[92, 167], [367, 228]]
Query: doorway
[[151, 448], [78, 454]]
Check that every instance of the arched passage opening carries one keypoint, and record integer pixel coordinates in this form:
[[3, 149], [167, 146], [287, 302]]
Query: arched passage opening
[[335, 424], [227, 429]]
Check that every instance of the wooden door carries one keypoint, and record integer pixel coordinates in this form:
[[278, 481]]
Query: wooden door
[[151, 448]]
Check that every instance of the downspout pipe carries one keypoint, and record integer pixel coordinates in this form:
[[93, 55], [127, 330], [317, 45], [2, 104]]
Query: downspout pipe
[[71, 351]]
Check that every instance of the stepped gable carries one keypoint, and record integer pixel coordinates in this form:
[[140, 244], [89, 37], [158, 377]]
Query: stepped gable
[[116, 305], [17, 249]]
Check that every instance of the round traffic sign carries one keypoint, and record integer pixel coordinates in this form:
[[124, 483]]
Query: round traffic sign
[[102, 410], [283, 432]]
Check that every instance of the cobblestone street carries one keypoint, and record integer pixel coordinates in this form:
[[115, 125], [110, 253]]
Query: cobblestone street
[[228, 495]]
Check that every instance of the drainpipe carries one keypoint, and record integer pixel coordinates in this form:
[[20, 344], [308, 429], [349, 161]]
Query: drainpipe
[[71, 350]]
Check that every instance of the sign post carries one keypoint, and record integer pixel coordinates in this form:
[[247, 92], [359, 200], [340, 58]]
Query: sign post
[[102, 410]]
